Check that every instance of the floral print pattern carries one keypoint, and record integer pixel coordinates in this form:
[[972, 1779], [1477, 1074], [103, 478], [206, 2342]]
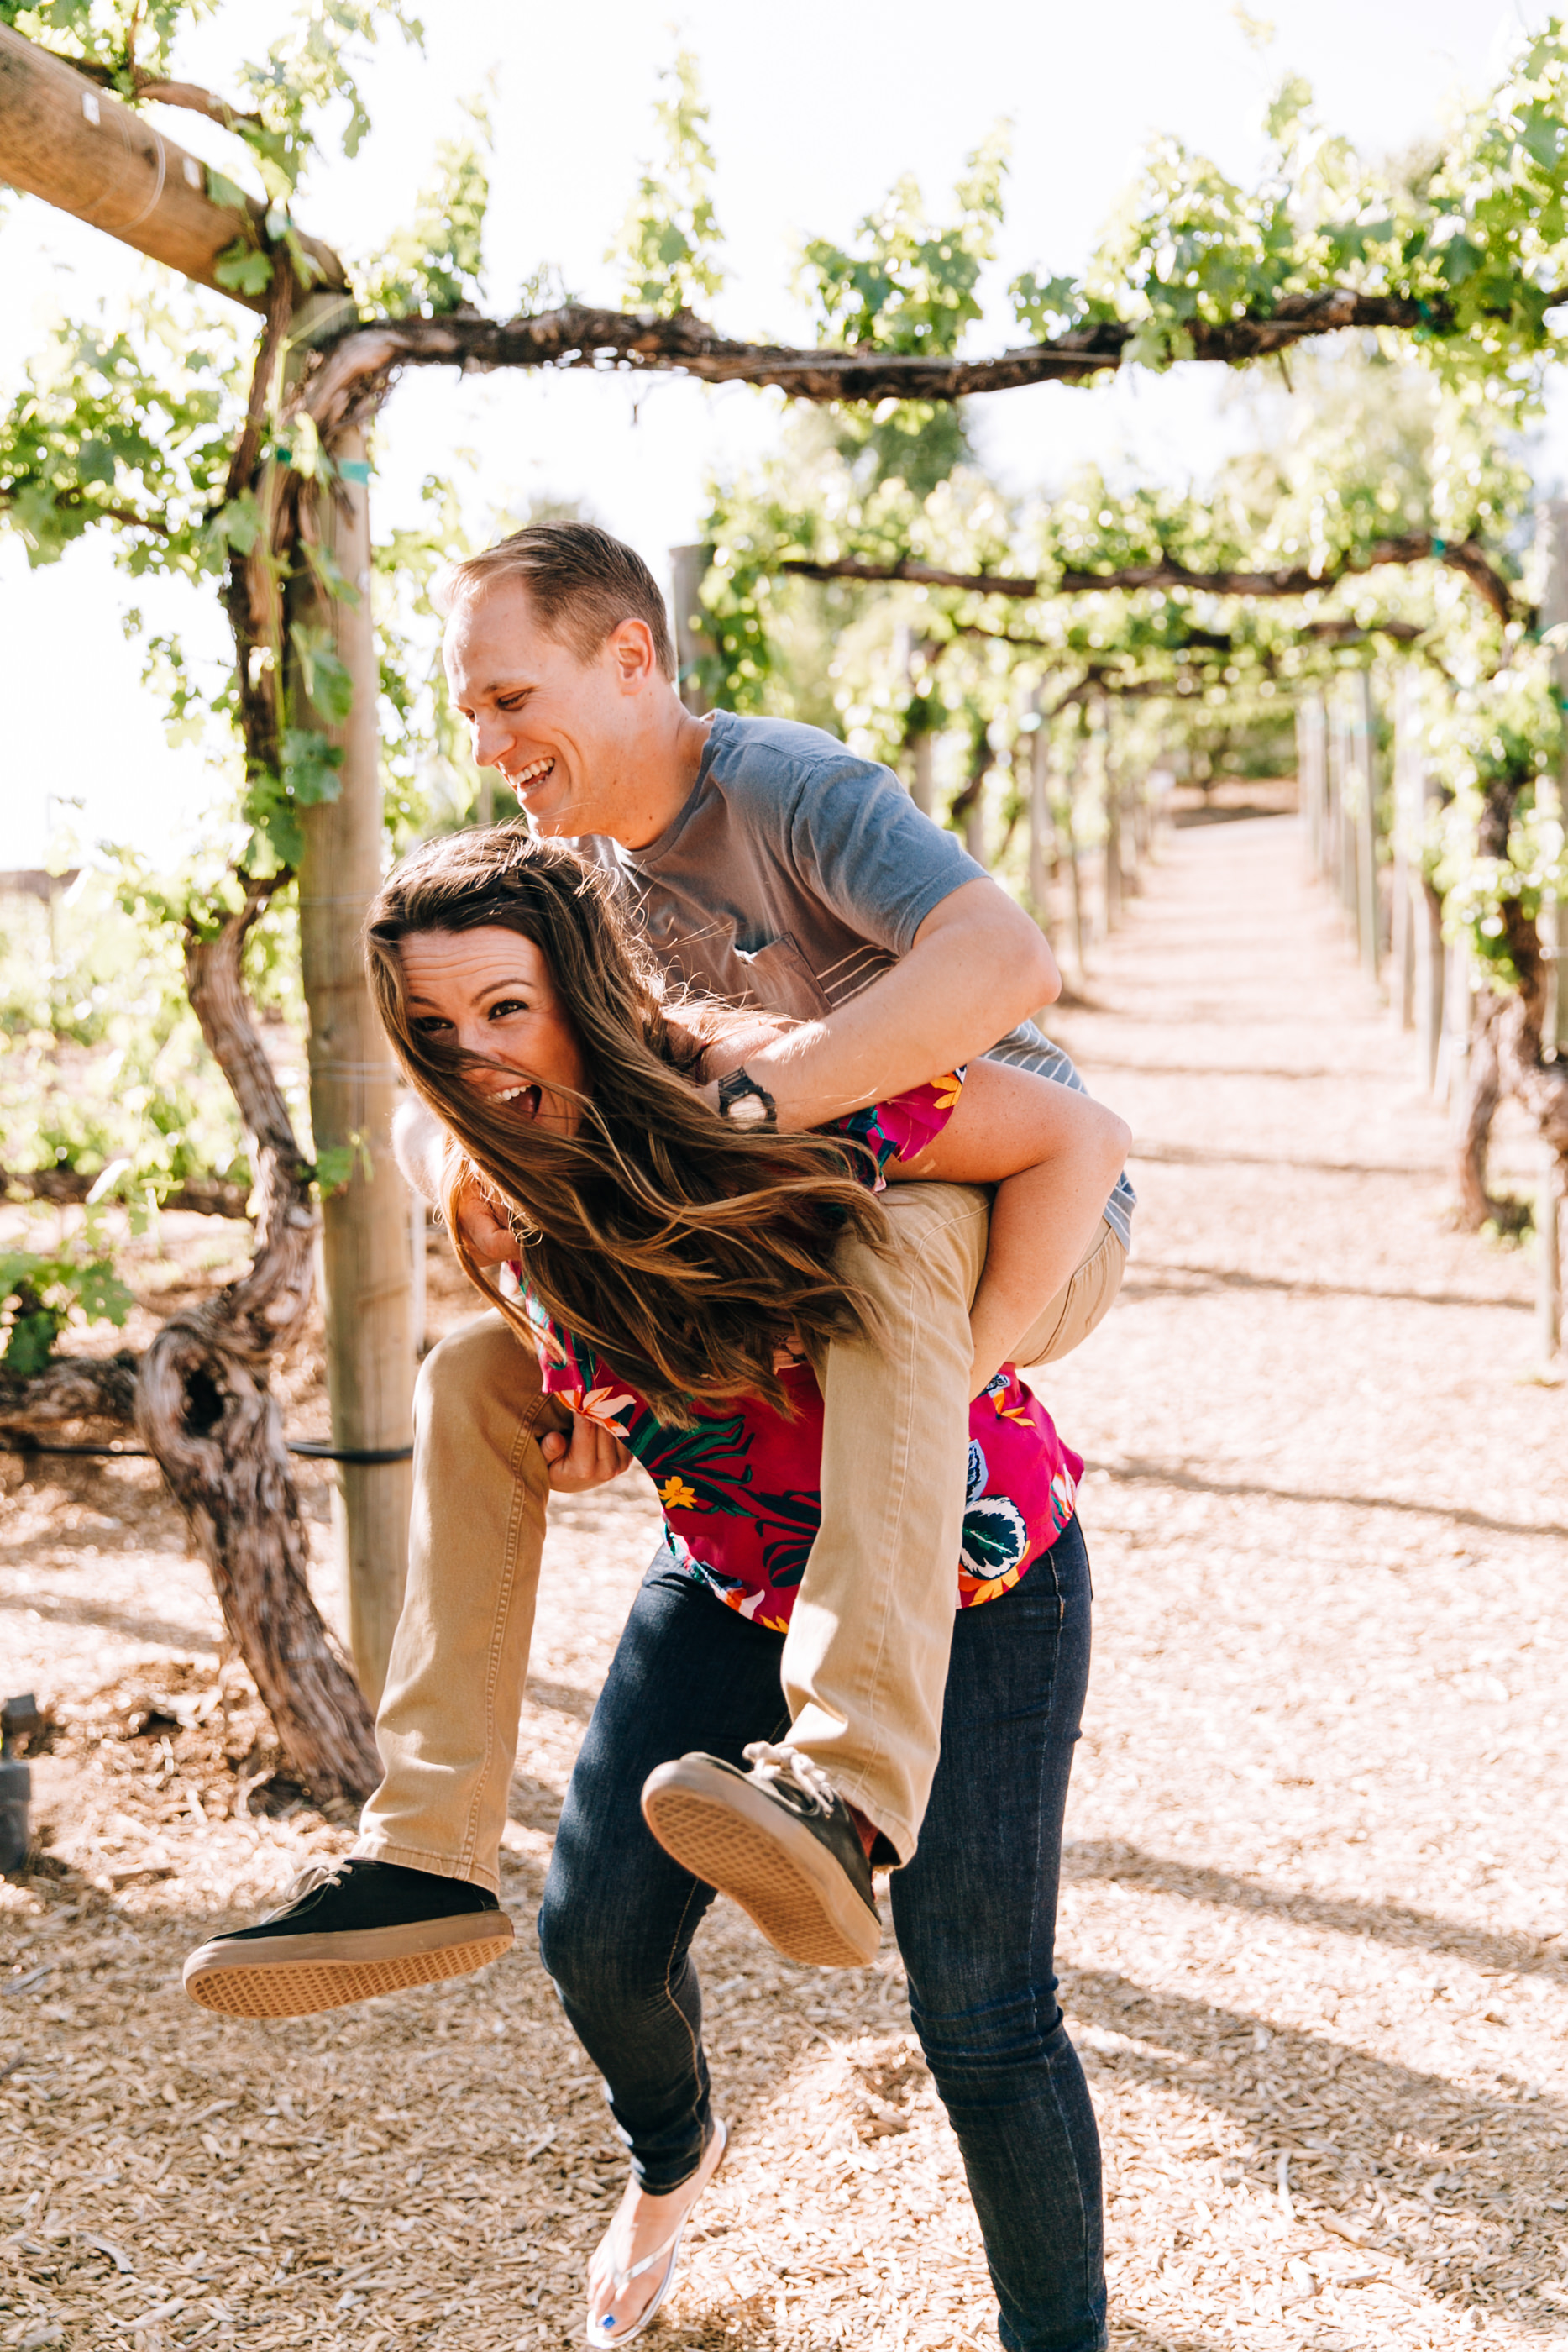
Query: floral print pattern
[[901, 1129], [741, 1487]]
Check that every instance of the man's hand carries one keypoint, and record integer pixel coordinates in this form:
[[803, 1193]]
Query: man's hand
[[588, 1455]]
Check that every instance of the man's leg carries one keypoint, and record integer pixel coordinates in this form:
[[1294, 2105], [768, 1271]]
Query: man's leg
[[447, 1725], [416, 1900], [865, 1660], [1081, 1305]]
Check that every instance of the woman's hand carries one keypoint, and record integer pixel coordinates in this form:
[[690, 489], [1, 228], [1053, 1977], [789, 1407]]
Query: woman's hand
[[489, 1240], [588, 1455]]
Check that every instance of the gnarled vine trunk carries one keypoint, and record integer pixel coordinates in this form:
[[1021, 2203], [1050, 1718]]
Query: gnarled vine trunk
[[205, 1409], [1506, 1043], [1473, 1126], [1525, 1073], [68, 1388]]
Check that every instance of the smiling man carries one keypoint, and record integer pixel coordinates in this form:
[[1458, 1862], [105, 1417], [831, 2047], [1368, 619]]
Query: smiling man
[[770, 867]]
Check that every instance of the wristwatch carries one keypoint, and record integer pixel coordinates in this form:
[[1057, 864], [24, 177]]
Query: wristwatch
[[746, 1103]]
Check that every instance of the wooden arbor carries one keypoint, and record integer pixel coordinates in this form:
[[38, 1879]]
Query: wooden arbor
[[143, 189]]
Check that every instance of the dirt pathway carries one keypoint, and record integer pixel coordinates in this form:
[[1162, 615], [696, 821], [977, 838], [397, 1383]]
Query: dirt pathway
[[1318, 1918], [1315, 1933]]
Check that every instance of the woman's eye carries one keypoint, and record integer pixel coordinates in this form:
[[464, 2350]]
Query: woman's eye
[[430, 1025], [508, 1004]]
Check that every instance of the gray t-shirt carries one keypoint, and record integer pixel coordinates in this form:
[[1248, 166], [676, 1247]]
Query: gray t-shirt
[[795, 874]]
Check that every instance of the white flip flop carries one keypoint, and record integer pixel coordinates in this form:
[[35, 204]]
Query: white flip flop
[[668, 2253]]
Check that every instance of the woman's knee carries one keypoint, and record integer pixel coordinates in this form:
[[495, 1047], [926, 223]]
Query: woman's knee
[[573, 1942], [995, 2036], [599, 1948]]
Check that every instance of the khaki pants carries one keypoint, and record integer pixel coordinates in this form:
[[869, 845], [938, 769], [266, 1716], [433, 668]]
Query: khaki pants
[[865, 1660]]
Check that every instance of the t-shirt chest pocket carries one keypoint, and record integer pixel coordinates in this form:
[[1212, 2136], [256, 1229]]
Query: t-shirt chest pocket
[[778, 978]]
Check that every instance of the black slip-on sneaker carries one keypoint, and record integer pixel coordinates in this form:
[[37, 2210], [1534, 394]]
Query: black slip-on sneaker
[[780, 1841], [346, 1932]]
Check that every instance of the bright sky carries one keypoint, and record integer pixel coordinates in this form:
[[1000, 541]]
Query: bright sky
[[814, 113]]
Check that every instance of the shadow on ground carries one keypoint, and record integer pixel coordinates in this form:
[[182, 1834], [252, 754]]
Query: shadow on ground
[[1391, 1923]]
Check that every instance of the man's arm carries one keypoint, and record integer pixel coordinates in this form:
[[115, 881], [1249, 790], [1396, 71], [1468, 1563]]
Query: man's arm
[[978, 966]]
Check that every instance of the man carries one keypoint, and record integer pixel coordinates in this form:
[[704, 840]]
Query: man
[[770, 867]]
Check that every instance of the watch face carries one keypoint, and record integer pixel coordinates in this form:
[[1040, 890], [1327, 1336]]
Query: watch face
[[748, 1110]]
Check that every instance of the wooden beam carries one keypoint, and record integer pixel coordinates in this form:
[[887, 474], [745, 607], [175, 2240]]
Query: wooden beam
[[68, 142]]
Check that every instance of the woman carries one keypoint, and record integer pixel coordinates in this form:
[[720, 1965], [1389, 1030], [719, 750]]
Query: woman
[[677, 1276]]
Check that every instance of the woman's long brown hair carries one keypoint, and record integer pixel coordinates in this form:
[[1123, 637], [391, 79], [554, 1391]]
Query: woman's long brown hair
[[661, 1235]]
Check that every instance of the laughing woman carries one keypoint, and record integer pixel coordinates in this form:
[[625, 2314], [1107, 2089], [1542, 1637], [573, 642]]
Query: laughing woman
[[677, 1277]]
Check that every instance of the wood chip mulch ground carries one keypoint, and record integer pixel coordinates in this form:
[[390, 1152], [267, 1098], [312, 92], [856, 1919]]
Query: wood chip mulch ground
[[1315, 1929]]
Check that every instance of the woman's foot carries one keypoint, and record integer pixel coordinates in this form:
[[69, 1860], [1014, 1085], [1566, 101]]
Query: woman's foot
[[634, 2266]]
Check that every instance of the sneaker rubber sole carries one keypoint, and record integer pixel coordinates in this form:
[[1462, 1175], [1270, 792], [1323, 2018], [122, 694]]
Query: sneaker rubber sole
[[723, 1829], [296, 1976]]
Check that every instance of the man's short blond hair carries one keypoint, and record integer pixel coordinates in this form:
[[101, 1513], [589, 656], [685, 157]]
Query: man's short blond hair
[[582, 583]]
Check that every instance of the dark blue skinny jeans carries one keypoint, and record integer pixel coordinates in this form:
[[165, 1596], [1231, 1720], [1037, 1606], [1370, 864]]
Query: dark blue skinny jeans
[[975, 1913]]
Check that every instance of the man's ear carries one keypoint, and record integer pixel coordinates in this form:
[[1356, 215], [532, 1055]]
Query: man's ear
[[630, 648]]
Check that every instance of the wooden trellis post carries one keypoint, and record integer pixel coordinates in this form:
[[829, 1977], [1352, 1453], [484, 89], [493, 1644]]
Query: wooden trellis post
[[366, 1256], [1112, 851], [1405, 876], [1043, 850], [1554, 796], [1552, 791], [1310, 755], [1365, 866], [1350, 786], [688, 568], [917, 740], [1070, 843], [1334, 772]]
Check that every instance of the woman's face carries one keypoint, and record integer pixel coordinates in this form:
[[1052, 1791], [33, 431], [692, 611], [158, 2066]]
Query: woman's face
[[490, 991]]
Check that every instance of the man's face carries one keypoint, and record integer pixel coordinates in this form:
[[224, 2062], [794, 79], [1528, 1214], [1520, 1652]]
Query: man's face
[[563, 732]]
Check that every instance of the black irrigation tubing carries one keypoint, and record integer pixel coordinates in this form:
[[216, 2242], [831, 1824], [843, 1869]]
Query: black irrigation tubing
[[365, 1457]]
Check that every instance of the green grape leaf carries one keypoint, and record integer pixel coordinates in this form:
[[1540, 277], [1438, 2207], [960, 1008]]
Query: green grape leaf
[[243, 269]]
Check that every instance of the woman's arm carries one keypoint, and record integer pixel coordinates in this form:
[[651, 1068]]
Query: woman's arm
[[588, 1455], [1053, 1155], [420, 1145]]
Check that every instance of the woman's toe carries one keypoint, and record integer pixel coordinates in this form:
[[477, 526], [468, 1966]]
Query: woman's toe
[[613, 2310]]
